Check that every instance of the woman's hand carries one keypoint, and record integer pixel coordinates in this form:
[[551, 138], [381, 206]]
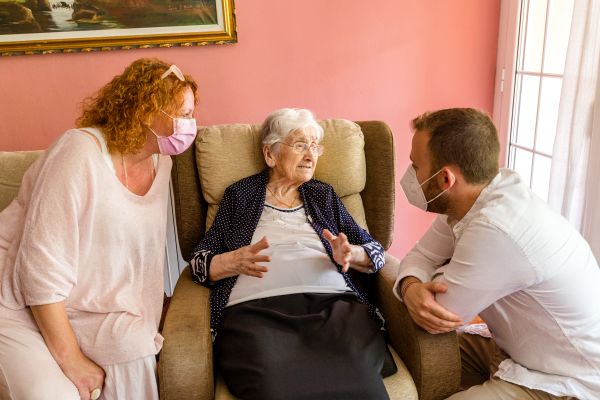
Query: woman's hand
[[85, 374], [243, 261], [340, 247], [58, 334]]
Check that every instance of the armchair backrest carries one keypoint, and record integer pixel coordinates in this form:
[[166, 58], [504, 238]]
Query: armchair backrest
[[13, 165], [358, 162]]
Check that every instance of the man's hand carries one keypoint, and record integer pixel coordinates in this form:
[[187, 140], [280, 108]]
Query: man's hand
[[424, 310]]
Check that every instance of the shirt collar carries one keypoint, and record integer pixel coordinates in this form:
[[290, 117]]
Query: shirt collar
[[458, 226]]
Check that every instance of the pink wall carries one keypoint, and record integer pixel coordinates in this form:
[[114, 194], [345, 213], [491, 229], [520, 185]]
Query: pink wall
[[388, 60]]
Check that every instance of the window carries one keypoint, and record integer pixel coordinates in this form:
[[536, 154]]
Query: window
[[174, 262], [532, 50]]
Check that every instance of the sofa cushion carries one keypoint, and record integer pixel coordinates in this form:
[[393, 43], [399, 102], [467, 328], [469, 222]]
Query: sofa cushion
[[13, 165], [228, 153]]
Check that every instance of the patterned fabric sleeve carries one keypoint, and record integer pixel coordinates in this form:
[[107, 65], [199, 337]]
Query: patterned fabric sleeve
[[357, 235], [213, 242]]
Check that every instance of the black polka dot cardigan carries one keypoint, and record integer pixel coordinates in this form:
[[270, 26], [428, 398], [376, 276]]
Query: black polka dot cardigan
[[237, 219]]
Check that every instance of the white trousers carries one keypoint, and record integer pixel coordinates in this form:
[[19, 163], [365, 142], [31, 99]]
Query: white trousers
[[29, 372]]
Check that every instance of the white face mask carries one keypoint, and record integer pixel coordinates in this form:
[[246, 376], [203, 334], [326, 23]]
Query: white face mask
[[413, 190]]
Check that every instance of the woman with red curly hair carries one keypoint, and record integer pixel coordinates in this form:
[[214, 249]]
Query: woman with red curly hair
[[82, 246]]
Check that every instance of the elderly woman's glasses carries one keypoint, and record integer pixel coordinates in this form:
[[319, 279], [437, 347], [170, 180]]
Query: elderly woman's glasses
[[173, 69], [301, 147]]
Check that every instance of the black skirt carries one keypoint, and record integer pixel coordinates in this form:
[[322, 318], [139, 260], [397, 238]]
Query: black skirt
[[301, 346]]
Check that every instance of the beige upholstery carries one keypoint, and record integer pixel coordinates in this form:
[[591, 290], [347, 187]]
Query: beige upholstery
[[360, 166], [228, 153], [12, 168]]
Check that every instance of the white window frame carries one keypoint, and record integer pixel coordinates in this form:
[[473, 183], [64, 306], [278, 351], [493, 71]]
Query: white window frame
[[505, 72], [508, 93], [174, 262]]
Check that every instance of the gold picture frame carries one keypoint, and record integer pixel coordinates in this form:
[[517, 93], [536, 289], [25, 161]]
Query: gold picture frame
[[96, 29]]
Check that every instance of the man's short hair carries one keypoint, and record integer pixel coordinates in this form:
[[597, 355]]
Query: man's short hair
[[464, 137]]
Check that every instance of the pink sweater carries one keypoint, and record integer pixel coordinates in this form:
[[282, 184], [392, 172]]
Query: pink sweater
[[76, 234]]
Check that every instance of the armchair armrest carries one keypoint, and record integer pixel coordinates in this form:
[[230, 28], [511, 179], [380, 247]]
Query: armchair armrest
[[433, 360], [185, 366]]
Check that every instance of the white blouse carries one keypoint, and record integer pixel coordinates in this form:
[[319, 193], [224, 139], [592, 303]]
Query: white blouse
[[299, 262], [75, 233]]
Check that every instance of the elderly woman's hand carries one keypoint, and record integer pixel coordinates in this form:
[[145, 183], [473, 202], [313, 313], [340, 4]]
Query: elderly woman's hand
[[242, 261], [348, 255], [341, 248]]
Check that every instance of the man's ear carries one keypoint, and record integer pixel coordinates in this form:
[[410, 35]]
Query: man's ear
[[448, 178]]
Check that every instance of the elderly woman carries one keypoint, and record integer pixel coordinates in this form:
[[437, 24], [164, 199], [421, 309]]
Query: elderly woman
[[82, 245], [289, 321]]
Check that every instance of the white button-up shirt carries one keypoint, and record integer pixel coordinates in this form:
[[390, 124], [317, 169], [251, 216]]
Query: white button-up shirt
[[531, 277]]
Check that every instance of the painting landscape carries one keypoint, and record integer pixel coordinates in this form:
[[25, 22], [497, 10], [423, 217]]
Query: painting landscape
[[54, 26], [37, 16]]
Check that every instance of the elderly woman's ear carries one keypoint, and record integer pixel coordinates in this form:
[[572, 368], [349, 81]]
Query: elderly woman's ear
[[269, 156]]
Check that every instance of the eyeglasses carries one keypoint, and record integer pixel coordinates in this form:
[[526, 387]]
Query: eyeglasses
[[301, 147], [173, 69], [172, 117]]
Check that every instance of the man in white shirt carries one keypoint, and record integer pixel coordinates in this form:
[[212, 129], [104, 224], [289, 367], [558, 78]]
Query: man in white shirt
[[498, 251]]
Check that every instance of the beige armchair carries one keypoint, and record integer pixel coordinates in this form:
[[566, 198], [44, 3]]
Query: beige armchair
[[13, 165], [359, 163]]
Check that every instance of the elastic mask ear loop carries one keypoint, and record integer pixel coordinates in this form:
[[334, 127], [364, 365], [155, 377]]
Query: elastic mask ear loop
[[442, 192], [430, 178]]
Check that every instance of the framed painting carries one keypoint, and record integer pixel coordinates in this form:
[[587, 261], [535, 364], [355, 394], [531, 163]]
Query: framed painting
[[66, 26]]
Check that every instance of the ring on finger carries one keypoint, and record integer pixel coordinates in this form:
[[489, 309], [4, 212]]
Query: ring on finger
[[95, 393]]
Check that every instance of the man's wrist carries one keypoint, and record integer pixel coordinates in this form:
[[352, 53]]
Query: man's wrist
[[407, 283]]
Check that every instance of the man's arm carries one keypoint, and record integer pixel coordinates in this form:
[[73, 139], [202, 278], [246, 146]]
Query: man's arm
[[486, 266], [420, 300], [416, 270], [434, 249]]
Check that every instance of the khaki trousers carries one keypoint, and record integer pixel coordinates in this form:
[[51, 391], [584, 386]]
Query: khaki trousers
[[480, 359]]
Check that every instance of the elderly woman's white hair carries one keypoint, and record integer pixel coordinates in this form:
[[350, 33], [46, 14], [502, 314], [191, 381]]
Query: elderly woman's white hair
[[284, 121]]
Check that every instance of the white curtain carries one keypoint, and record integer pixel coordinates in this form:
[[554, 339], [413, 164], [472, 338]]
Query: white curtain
[[575, 175]]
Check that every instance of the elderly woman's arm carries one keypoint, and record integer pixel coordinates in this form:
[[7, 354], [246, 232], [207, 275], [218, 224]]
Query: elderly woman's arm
[[241, 261], [358, 237], [212, 262], [348, 255], [213, 242]]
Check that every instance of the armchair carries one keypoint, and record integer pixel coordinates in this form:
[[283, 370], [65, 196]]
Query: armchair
[[359, 163]]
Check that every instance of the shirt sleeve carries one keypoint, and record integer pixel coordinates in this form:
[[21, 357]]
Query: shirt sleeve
[[48, 255], [433, 250], [358, 236], [213, 242], [486, 266]]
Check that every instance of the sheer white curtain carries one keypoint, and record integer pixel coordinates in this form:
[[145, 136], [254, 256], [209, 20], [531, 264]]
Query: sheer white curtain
[[575, 175]]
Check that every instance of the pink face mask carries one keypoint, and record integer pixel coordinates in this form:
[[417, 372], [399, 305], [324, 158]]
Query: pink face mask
[[184, 133]]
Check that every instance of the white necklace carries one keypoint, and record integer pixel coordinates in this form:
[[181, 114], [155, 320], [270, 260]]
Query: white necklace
[[125, 171]]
